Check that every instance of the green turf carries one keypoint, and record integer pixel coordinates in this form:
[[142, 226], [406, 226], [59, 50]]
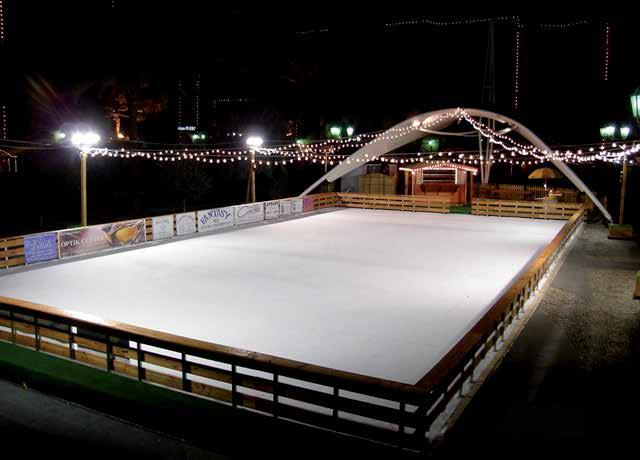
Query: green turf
[[214, 426], [460, 209]]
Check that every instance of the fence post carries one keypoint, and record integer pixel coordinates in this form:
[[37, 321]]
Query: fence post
[[275, 395], [186, 383], [140, 357], [234, 389], [109, 354], [72, 341], [36, 332], [13, 326]]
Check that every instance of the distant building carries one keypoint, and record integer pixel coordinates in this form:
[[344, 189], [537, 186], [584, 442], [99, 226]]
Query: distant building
[[188, 110], [228, 116]]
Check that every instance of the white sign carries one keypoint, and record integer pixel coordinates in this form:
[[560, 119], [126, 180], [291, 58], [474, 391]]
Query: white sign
[[162, 227], [271, 209], [286, 207], [186, 223], [298, 205], [212, 219], [246, 213]]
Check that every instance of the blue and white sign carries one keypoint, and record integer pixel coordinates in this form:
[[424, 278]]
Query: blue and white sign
[[247, 213], [286, 207], [162, 227], [186, 223], [297, 205], [271, 209], [213, 219], [40, 248]]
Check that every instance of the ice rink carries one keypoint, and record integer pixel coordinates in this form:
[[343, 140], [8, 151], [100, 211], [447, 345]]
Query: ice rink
[[381, 293]]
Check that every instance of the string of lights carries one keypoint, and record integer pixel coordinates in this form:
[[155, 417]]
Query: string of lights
[[607, 52], [559, 26], [516, 70], [327, 150]]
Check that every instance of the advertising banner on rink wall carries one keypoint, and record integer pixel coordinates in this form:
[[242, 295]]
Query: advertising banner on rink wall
[[213, 219], [40, 248], [297, 205], [286, 207], [247, 213], [88, 240], [271, 209], [309, 204], [186, 223], [162, 227]]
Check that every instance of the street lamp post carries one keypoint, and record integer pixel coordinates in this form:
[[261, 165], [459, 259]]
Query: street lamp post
[[635, 105], [84, 141], [254, 143]]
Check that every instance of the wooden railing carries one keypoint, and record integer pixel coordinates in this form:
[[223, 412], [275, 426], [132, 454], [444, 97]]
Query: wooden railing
[[11, 252], [373, 408], [528, 209], [239, 377], [410, 203], [449, 375], [325, 200], [518, 192]]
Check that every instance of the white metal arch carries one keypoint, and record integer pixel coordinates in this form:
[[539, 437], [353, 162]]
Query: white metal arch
[[409, 131]]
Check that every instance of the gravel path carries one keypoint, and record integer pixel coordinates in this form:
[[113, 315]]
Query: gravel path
[[570, 382]]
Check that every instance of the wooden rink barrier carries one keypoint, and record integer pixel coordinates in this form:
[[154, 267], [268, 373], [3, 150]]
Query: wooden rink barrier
[[410, 203], [517, 192], [527, 209], [11, 252], [368, 407]]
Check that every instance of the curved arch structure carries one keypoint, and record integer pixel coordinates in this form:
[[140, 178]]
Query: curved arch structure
[[417, 127]]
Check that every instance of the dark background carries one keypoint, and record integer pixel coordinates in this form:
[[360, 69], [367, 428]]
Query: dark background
[[286, 70]]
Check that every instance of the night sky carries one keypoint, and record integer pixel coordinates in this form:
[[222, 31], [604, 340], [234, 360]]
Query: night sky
[[316, 68]]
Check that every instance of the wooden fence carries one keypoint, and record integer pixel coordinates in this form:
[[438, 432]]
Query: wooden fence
[[410, 203], [12, 248], [528, 209], [516, 192], [373, 408], [325, 200], [11, 252]]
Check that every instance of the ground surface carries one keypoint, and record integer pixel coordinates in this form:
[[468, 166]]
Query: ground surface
[[53, 426], [569, 384], [381, 293]]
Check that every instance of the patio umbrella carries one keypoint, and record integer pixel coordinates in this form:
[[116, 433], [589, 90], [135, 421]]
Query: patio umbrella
[[545, 173]]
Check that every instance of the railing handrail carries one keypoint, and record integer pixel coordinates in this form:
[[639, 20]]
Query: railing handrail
[[528, 203], [373, 386], [424, 394], [475, 335], [15, 237]]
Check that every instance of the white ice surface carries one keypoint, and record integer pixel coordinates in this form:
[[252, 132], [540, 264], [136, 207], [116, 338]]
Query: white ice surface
[[381, 293]]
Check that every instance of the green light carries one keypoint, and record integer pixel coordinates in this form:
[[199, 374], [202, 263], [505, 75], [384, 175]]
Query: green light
[[607, 132], [635, 103], [349, 131], [430, 144], [335, 131], [624, 132]]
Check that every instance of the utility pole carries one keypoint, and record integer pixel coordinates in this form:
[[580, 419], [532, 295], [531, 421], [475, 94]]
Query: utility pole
[[623, 190], [83, 188], [254, 143]]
